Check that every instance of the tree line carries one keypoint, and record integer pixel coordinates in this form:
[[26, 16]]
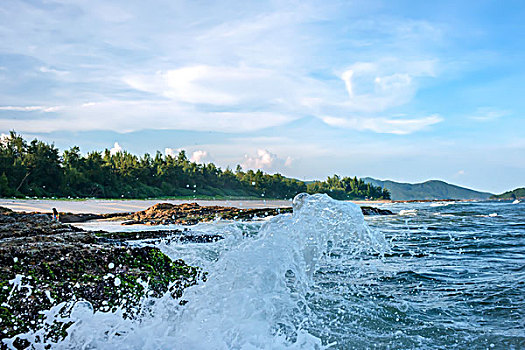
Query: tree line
[[348, 188], [37, 169]]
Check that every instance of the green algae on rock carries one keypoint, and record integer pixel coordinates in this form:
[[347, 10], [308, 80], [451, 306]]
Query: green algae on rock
[[45, 263]]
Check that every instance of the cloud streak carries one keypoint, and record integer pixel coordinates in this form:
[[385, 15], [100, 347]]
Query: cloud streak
[[31, 108], [398, 126]]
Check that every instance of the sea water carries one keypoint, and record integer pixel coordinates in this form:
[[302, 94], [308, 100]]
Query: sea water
[[448, 276]]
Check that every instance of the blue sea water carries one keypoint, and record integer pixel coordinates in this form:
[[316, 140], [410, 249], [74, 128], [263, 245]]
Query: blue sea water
[[454, 278], [445, 275]]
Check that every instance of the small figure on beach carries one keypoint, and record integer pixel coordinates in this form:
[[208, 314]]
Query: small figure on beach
[[56, 215]]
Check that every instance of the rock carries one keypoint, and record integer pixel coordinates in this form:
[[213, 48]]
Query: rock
[[44, 263], [69, 218], [179, 235], [73, 218], [375, 211], [192, 213], [5, 210]]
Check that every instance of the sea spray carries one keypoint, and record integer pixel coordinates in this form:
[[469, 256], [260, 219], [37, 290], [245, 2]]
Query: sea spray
[[256, 294]]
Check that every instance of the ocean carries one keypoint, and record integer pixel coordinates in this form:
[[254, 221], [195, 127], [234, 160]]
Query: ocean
[[445, 275]]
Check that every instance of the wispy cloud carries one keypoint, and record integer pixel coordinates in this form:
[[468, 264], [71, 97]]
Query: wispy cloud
[[308, 80], [379, 86], [487, 114], [224, 72], [31, 108], [53, 71], [399, 126], [128, 116]]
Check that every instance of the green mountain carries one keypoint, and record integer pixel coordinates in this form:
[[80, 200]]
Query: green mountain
[[517, 193], [433, 189]]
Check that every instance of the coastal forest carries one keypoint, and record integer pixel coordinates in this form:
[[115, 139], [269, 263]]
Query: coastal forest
[[38, 169]]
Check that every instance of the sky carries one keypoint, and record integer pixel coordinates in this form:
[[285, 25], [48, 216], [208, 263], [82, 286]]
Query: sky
[[401, 90]]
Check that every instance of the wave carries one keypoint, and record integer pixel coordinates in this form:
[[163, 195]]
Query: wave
[[441, 204], [409, 212], [255, 296]]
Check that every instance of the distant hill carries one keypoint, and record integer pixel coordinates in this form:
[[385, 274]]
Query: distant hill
[[517, 193], [433, 189]]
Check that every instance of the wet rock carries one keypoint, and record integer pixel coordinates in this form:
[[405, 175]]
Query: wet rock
[[375, 211], [182, 236], [44, 263], [69, 218]]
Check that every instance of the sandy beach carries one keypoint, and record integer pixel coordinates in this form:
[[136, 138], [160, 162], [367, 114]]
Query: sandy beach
[[105, 206]]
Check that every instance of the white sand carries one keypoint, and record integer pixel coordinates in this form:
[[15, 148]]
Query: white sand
[[102, 206]]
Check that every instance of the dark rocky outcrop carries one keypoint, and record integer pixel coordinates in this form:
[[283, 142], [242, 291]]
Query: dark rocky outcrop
[[71, 218], [44, 263], [375, 211]]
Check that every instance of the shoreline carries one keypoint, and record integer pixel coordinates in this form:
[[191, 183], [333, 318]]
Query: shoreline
[[107, 206]]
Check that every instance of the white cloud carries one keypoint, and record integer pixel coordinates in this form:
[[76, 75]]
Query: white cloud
[[128, 116], [235, 69], [240, 86], [379, 86], [399, 126], [53, 71], [265, 160], [31, 108], [486, 114], [116, 149], [200, 156], [4, 138], [170, 152]]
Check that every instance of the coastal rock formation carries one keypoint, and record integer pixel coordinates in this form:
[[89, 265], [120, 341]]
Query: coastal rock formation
[[375, 211], [44, 263], [192, 213]]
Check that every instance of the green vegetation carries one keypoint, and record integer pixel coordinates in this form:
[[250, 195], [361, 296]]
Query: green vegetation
[[514, 194], [347, 188], [428, 190], [37, 169]]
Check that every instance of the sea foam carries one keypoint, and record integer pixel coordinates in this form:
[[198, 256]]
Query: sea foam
[[255, 296]]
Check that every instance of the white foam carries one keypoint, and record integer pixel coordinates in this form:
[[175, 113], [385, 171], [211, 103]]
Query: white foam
[[441, 204], [409, 212], [255, 294]]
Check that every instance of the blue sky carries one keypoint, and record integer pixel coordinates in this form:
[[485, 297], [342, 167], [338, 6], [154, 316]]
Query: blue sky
[[401, 90]]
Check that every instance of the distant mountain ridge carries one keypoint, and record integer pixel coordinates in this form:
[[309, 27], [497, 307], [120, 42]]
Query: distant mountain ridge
[[432, 189], [517, 193]]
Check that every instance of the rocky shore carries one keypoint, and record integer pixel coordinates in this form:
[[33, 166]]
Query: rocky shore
[[44, 263], [192, 213]]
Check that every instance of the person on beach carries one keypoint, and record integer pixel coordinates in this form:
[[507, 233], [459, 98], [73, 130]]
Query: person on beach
[[56, 216]]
